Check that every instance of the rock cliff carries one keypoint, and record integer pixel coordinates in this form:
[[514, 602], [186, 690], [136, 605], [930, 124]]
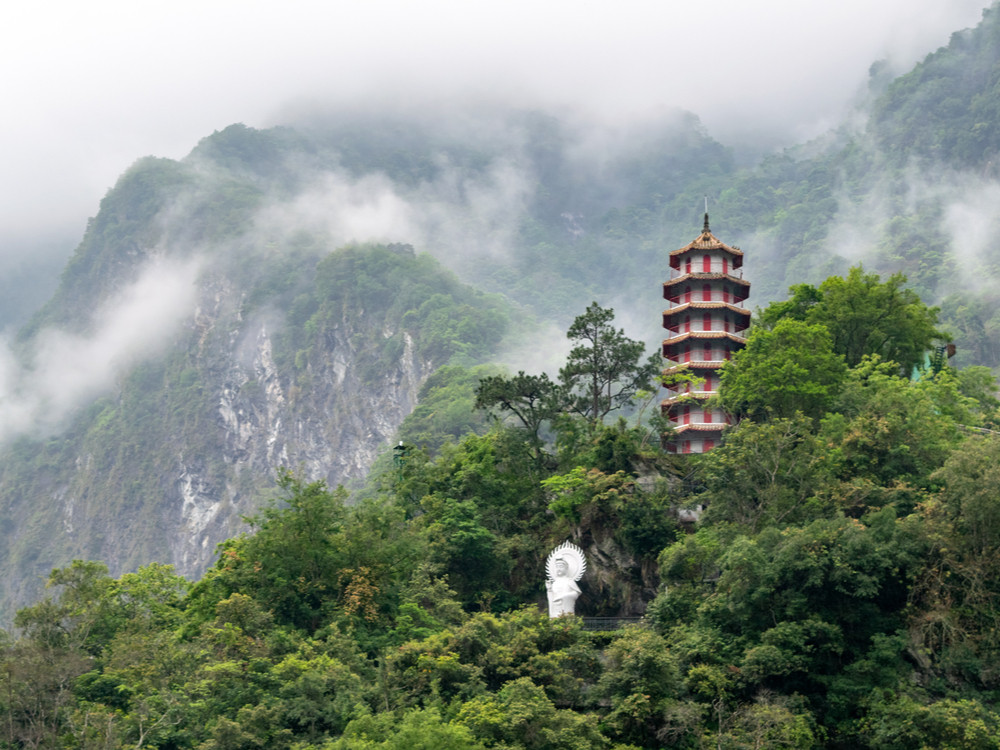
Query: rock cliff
[[308, 361]]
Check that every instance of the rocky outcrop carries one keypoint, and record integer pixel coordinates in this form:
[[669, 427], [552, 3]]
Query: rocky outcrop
[[190, 443]]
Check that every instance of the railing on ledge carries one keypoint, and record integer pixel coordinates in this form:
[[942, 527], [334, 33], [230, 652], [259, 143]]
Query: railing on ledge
[[678, 334], [676, 273], [673, 394], [701, 298]]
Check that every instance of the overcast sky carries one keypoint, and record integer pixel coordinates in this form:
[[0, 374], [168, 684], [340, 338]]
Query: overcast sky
[[91, 86]]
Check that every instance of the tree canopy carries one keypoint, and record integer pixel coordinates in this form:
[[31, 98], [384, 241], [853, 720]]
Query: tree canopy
[[865, 316], [603, 371], [783, 370]]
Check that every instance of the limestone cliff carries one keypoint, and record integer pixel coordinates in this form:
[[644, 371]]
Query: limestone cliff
[[307, 360]]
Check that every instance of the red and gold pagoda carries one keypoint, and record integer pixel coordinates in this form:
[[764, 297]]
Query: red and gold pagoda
[[706, 321]]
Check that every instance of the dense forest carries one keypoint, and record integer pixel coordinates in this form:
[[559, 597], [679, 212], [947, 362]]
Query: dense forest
[[839, 589], [826, 577]]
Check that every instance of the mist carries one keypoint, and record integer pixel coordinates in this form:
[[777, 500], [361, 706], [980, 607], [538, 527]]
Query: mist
[[63, 371], [91, 88], [105, 85]]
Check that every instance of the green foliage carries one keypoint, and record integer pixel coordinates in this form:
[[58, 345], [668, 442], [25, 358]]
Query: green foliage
[[782, 371], [292, 565], [978, 383], [418, 729], [768, 474], [865, 316], [603, 371], [947, 104], [532, 399], [521, 715], [641, 680], [446, 408], [907, 723], [968, 480], [889, 430]]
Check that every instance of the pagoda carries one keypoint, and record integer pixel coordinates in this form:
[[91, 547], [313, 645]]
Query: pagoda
[[706, 321]]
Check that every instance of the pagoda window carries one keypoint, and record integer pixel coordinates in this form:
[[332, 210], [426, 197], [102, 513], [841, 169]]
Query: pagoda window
[[707, 416], [687, 294], [686, 446], [725, 265], [687, 415], [706, 322], [708, 383], [727, 355], [725, 322], [706, 264], [708, 445], [725, 292], [687, 265], [687, 351], [706, 355], [687, 323], [706, 293]]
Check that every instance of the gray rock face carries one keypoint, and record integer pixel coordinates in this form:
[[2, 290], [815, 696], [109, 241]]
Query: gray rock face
[[332, 429], [189, 443]]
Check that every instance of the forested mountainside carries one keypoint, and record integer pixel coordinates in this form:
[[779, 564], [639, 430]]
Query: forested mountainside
[[287, 353], [273, 339], [839, 591], [225, 315]]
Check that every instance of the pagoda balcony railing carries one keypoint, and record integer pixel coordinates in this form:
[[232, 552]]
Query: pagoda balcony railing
[[695, 328], [700, 297], [676, 273], [696, 358], [692, 422], [673, 393]]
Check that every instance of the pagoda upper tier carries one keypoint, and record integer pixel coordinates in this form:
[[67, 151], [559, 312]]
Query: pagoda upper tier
[[706, 241]]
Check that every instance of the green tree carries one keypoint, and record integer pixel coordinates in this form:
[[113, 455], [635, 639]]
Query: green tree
[[783, 370], [419, 729], [865, 316], [904, 723], [446, 408], [887, 430], [603, 371], [772, 473], [532, 399], [640, 678], [521, 715], [292, 564]]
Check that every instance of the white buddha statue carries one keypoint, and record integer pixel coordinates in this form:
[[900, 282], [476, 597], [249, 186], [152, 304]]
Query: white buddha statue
[[564, 567]]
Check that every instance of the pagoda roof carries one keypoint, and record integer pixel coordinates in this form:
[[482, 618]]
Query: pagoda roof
[[702, 305], [711, 427], [694, 395], [695, 276], [707, 241], [699, 335], [711, 364]]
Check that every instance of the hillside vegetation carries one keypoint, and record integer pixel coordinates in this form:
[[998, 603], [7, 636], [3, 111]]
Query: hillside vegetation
[[839, 591], [214, 585]]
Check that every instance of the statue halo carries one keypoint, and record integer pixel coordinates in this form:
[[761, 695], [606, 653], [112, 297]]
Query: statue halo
[[576, 561]]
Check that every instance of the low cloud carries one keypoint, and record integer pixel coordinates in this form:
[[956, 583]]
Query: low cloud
[[458, 217], [968, 209], [64, 371]]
